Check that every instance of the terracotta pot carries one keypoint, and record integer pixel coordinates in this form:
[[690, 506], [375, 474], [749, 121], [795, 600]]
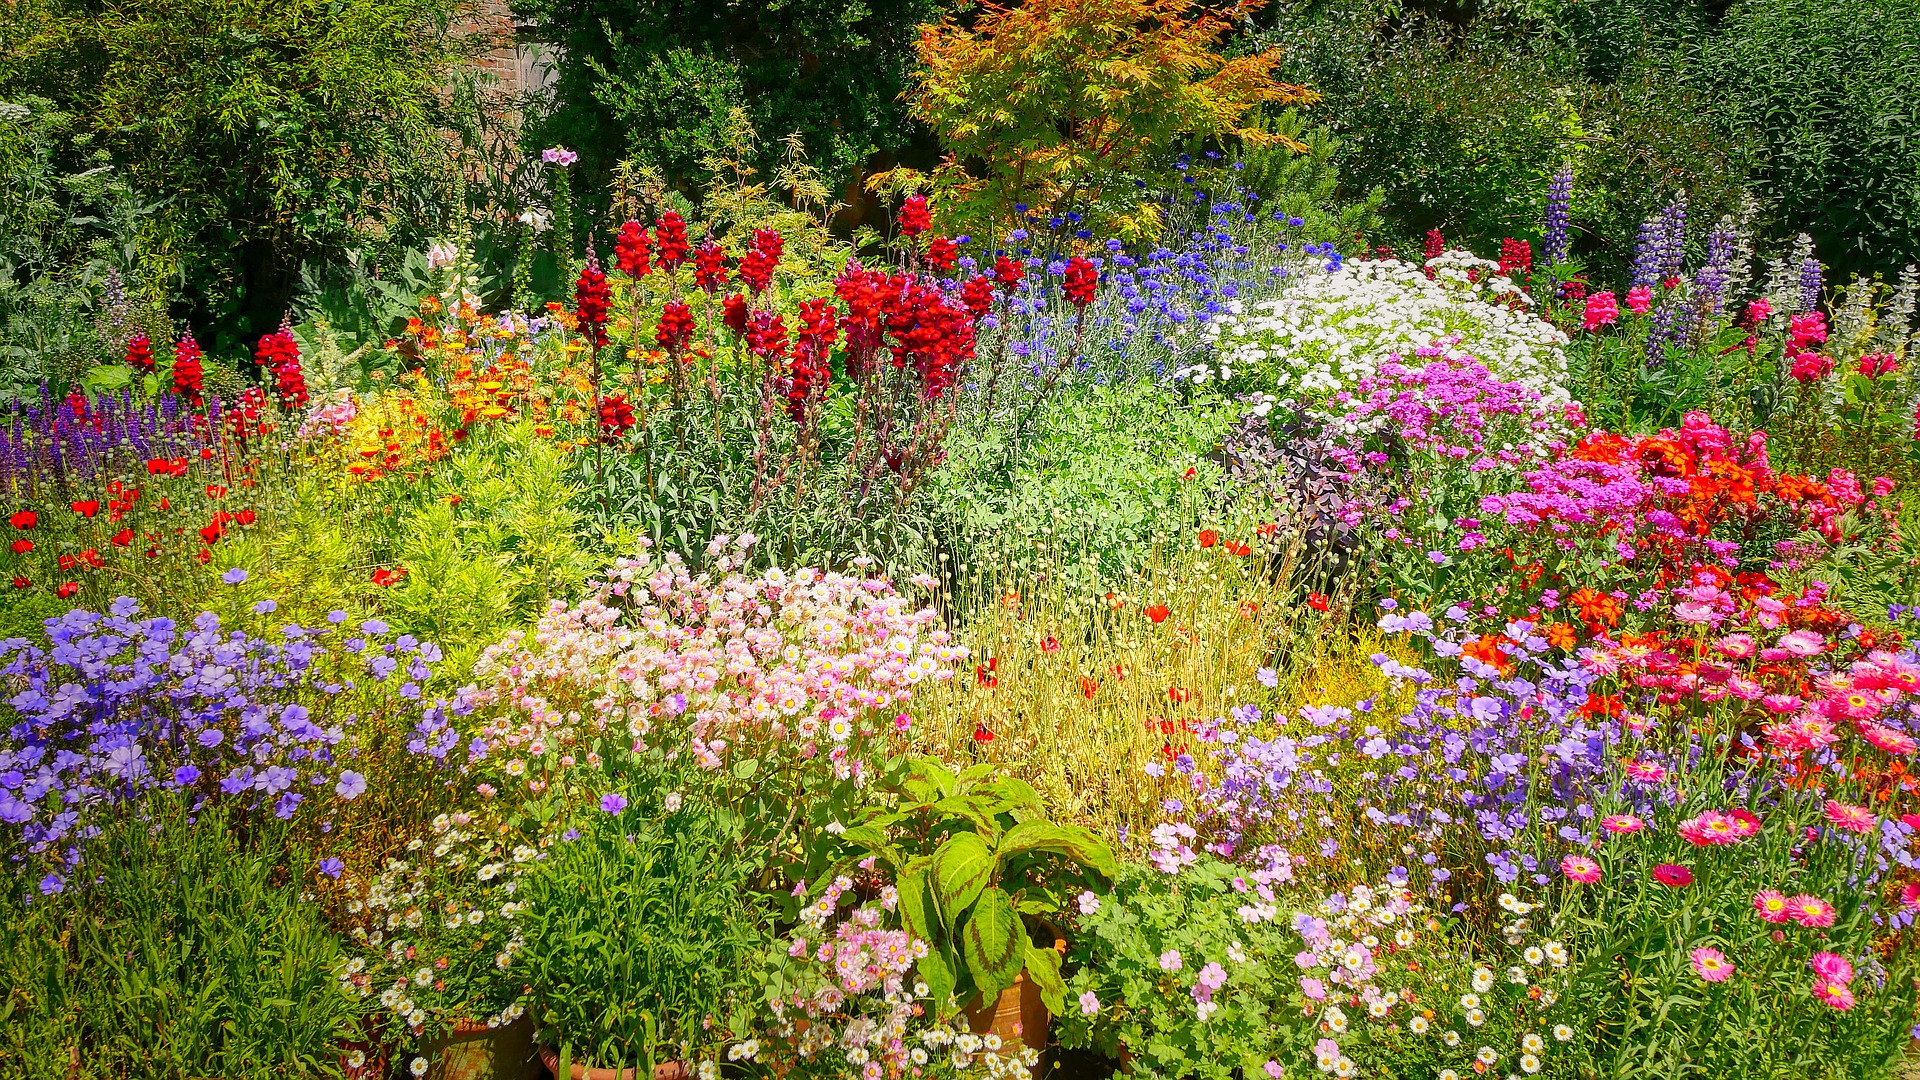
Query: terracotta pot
[[666, 1070], [1018, 1014], [477, 1052]]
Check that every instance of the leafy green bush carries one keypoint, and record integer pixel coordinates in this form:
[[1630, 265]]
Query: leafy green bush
[[642, 942], [191, 953]]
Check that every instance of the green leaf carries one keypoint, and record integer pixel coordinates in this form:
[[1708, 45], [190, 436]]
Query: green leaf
[[916, 916], [1081, 845], [962, 869], [745, 768], [991, 942], [933, 968], [971, 809], [1043, 967]]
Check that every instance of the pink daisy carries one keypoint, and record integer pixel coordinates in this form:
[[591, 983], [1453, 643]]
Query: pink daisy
[[1646, 772], [1910, 896], [1622, 823], [1580, 869], [1710, 964], [1887, 739], [1834, 994], [1810, 911], [1857, 819], [1772, 906], [1832, 967], [1673, 875]]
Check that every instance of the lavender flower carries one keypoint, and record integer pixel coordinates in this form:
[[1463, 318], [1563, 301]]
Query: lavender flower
[[1553, 235], [1810, 285]]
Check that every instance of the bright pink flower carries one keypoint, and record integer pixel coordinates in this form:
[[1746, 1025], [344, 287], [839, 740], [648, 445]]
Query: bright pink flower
[[1602, 310], [1834, 994], [1772, 906], [1803, 643], [1622, 823], [1855, 819], [1887, 739], [1735, 646], [1810, 911], [1639, 299], [1832, 967], [1646, 772], [1580, 869], [1673, 875], [1910, 896], [1710, 964]]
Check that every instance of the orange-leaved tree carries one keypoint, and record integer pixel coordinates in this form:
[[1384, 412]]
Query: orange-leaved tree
[[1059, 104]]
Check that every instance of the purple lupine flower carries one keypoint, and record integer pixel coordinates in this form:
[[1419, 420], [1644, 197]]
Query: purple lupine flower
[[1648, 249], [1554, 240], [1710, 281], [1810, 285], [1674, 229]]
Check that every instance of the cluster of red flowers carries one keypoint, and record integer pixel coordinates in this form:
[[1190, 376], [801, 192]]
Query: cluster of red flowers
[[187, 375], [1516, 257], [616, 418], [914, 216], [676, 326], [756, 268], [766, 336], [710, 267], [632, 251], [1080, 281], [809, 373], [279, 355], [590, 296], [942, 254], [932, 334], [140, 352], [1803, 332], [733, 314], [1007, 273], [670, 237]]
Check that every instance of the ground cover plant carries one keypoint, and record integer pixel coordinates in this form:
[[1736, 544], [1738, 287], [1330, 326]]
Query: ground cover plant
[[1115, 620]]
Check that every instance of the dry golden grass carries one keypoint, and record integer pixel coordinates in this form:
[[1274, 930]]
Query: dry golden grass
[[1081, 690]]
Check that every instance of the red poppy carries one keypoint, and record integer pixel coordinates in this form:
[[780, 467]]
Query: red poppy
[[211, 534], [1317, 601], [1119, 671], [386, 578], [87, 508], [216, 491], [67, 590], [1179, 695], [21, 583], [243, 517], [203, 556], [21, 547], [67, 562], [1267, 529], [91, 558], [1208, 538], [1239, 549], [25, 519], [1158, 613], [1089, 687], [1049, 644], [981, 734], [983, 674], [122, 538]]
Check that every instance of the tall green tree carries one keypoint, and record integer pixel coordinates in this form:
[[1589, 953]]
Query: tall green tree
[[656, 81], [276, 131]]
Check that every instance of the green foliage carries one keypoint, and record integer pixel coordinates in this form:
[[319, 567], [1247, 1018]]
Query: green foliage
[[193, 955], [640, 928], [275, 133], [1824, 89], [68, 219], [970, 857], [1462, 129], [1141, 1006], [658, 83]]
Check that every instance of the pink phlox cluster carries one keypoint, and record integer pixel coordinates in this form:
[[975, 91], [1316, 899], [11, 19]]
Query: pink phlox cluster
[[809, 661]]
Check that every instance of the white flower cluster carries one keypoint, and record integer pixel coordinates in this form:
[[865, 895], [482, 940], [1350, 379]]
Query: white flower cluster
[[1324, 332]]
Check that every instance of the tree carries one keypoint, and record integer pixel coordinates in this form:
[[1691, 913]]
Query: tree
[[276, 131], [1053, 103]]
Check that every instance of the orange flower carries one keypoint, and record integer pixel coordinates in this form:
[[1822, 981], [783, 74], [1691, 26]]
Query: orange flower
[[1208, 538], [1158, 613], [1562, 636]]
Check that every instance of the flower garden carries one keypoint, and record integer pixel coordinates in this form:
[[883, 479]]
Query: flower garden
[[1122, 625]]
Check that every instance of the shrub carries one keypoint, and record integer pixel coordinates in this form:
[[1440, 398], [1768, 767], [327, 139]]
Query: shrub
[[190, 951]]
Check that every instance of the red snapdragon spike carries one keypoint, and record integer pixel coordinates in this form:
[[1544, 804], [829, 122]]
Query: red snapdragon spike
[[1007, 273], [977, 294], [675, 329], [809, 373], [710, 267], [590, 295], [632, 251], [140, 352], [914, 216], [767, 336], [1080, 281], [942, 254], [279, 354], [670, 238], [616, 417], [769, 243], [756, 269], [187, 374], [733, 314], [1516, 257]]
